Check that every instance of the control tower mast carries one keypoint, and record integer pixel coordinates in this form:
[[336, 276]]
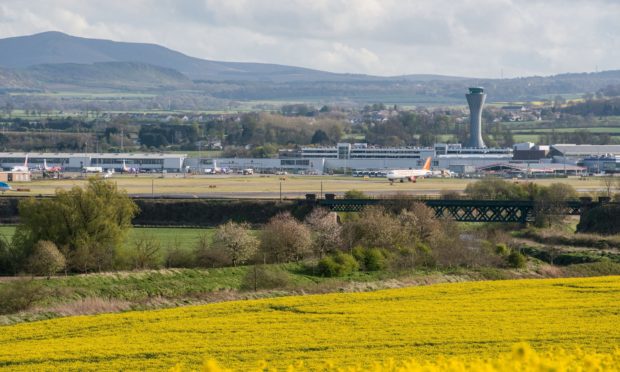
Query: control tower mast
[[475, 99]]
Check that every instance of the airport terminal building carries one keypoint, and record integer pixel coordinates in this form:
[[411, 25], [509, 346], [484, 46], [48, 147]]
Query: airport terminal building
[[76, 162], [352, 157]]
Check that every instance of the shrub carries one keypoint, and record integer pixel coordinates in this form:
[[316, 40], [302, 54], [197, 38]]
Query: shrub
[[265, 277], [516, 259], [370, 259], [409, 257], [6, 263], [146, 253], [19, 295], [355, 194], [502, 249], [496, 189], [178, 258], [604, 219], [46, 259], [206, 256], [339, 264]]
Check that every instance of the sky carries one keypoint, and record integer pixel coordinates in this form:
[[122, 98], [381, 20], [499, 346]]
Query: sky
[[475, 38]]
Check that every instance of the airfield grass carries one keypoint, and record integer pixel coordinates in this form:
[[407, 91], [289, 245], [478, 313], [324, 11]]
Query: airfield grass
[[269, 186]]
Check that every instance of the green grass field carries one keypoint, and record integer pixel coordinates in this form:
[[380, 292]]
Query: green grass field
[[611, 130], [169, 237]]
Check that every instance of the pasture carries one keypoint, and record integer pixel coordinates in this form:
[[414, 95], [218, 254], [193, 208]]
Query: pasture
[[269, 186], [467, 320], [168, 237]]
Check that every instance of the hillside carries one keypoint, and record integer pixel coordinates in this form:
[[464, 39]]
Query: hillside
[[469, 320], [107, 75], [59, 48], [57, 61]]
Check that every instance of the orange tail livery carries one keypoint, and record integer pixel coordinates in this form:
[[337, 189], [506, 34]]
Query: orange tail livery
[[427, 165]]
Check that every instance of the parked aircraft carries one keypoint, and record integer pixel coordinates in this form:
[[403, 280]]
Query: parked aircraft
[[217, 170], [5, 187], [21, 168], [403, 175], [52, 168], [108, 173], [127, 169]]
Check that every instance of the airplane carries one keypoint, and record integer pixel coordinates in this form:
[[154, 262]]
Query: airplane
[[215, 169], [403, 175], [5, 187], [127, 169], [51, 169], [22, 168]]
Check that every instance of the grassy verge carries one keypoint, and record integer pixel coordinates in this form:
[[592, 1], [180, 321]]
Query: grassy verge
[[138, 290], [569, 239]]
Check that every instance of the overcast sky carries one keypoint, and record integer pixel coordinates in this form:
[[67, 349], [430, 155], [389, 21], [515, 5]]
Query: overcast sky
[[482, 38]]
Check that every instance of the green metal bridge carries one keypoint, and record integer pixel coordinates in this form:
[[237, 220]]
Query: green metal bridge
[[520, 211]]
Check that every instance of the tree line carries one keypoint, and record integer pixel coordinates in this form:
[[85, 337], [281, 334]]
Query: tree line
[[83, 230]]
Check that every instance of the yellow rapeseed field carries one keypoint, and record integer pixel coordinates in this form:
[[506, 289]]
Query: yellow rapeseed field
[[522, 359], [432, 323]]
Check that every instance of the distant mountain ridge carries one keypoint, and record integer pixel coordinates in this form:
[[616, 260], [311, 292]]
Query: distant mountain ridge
[[58, 48], [57, 61]]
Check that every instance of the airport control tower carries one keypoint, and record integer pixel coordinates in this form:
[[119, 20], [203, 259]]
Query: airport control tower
[[475, 99]]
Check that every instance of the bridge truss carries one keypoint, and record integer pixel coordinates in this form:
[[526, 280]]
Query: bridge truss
[[518, 211]]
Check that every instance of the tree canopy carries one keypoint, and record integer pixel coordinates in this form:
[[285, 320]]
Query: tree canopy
[[87, 224]]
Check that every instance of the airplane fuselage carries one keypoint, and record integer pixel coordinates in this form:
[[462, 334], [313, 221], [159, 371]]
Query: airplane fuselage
[[407, 174]]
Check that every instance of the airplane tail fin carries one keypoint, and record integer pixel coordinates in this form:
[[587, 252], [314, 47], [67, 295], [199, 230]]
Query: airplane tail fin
[[427, 164], [26, 161]]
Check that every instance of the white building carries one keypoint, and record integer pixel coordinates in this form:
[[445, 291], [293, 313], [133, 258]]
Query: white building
[[75, 162]]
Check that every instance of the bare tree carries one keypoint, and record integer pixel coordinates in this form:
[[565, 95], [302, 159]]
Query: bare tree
[[608, 182], [146, 253], [236, 240]]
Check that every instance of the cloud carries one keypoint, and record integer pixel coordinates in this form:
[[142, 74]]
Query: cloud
[[382, 37]]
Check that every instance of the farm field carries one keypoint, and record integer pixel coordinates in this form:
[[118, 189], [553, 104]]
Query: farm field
[[467, 320], [269, 186], [570, 130]]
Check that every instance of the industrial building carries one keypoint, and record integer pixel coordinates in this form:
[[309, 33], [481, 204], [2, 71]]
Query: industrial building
[[15, 176]]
